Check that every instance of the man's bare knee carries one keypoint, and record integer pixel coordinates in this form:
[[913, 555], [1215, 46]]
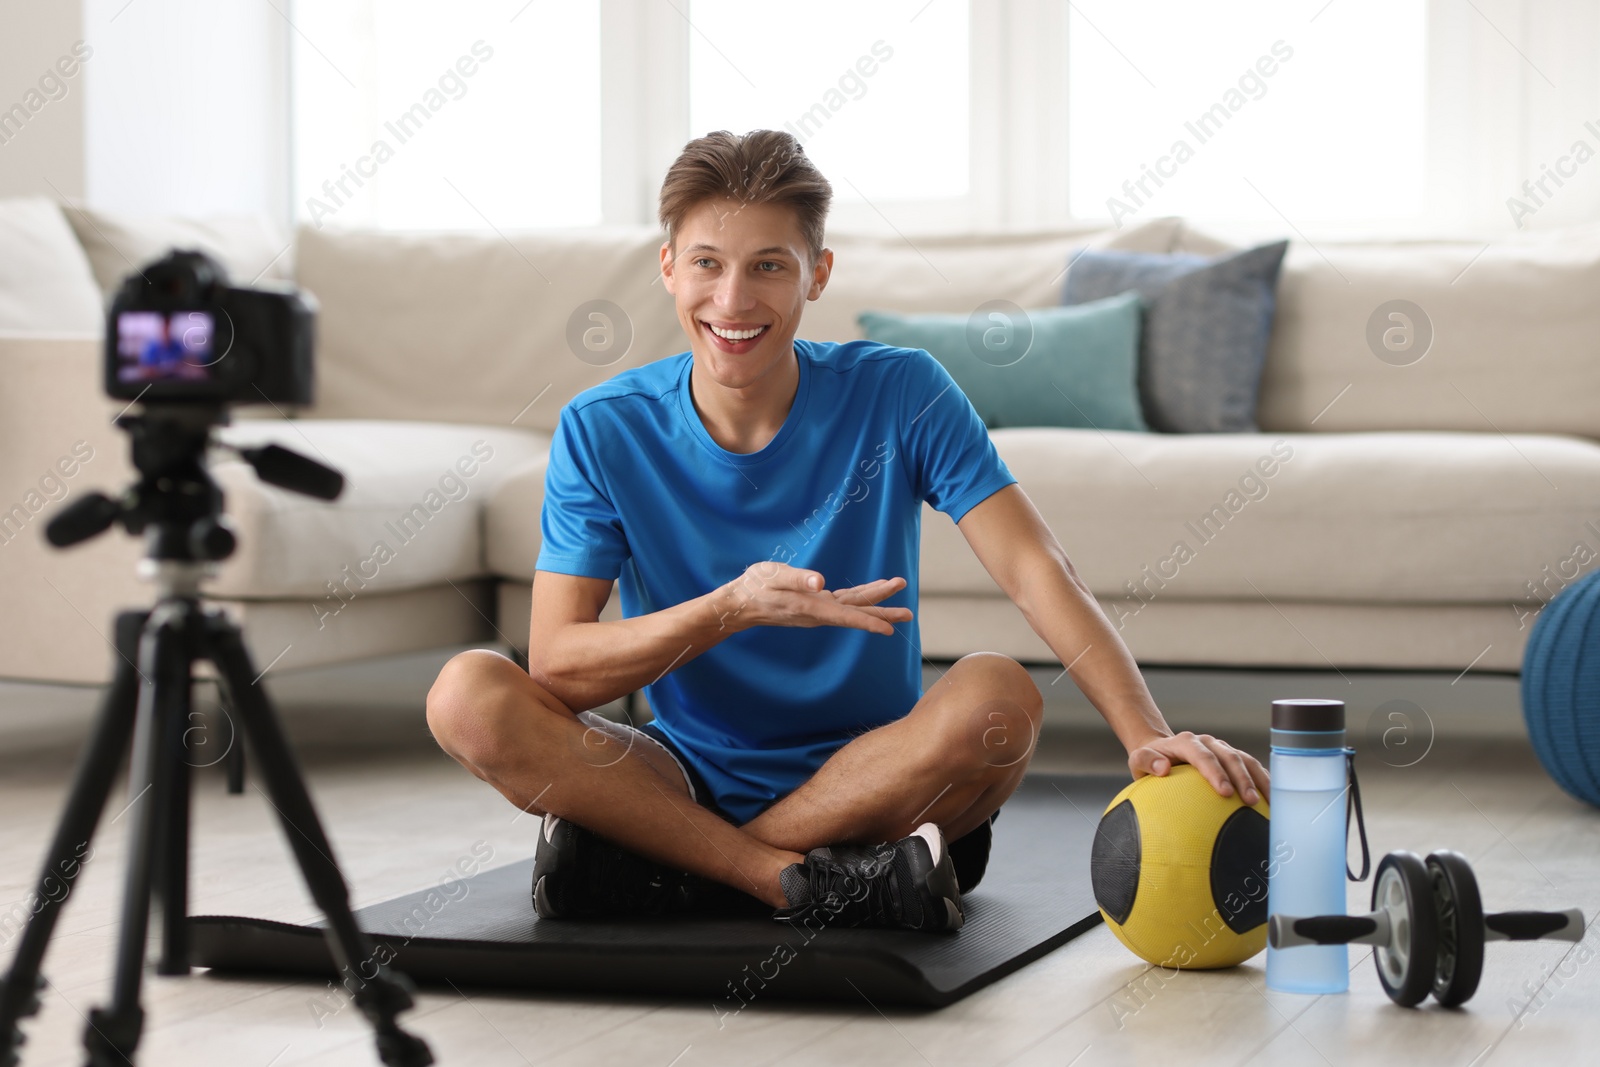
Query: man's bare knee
[[479, 699], [1001, 675], [991, 716]]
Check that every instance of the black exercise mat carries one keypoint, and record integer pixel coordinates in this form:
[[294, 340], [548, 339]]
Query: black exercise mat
[[1035, 896]]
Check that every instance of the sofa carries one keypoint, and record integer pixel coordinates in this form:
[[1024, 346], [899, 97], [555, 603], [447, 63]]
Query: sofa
[[1407, 514]]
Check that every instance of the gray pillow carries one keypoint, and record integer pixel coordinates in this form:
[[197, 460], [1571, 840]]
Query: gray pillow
[[1206, 326]]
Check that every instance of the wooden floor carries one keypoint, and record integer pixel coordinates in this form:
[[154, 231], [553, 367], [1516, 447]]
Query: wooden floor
[[400, 814]]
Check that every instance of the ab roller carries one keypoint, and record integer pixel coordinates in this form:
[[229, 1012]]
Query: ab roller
[[1427, 928]]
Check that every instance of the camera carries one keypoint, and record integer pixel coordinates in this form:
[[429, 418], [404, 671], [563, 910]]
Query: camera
[[177, 331], [186, 346]]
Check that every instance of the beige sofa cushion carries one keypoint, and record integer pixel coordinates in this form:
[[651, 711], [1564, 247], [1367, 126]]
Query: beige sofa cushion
[[473, 328], [1361, 517], [415, 489], [958, 273], [45, 282], [1515, 345], [1368, 517], [249, 247], [1241, 633], [511, 533]]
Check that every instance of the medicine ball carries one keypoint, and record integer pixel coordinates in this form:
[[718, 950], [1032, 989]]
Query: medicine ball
[[1180, 873]]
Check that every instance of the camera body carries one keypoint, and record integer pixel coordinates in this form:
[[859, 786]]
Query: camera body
[[178, 332]]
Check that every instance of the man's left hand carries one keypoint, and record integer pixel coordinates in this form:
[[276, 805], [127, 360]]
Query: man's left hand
[[1228, 769]]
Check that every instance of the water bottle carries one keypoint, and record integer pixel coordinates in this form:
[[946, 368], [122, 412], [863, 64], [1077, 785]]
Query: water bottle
[[1307, 839]]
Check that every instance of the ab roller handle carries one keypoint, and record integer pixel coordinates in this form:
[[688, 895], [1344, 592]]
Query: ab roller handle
[[1427, 928], [1534, 926], [1286, 931]]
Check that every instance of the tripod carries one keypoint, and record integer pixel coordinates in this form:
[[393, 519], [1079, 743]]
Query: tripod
[[148, 705]]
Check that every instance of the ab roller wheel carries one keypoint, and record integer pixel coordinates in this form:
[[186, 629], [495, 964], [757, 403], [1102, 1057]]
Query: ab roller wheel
[[1403, 894], [1427, 928], [1460, 909]]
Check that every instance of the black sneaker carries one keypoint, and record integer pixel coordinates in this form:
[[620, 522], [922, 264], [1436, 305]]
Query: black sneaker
[[577, 874], [970, 854], [910, 883]]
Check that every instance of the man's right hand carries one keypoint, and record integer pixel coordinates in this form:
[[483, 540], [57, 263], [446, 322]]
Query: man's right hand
[[775, 594]]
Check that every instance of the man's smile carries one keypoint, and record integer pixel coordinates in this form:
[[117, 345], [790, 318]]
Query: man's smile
[[736, 338]]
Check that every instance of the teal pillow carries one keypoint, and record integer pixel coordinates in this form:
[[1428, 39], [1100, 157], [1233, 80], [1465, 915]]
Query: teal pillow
[[1074, 366]]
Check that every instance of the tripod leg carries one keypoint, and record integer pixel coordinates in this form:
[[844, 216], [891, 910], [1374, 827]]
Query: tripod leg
[[235, 757], [171, 884], [113, 1033], [380, 993], [70, 848]]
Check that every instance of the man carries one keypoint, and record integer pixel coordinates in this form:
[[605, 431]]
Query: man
[[759, 498]]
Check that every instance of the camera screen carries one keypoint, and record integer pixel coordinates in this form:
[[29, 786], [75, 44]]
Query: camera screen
[[159, 346]]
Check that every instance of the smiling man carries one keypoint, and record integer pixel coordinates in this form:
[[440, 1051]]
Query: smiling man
[[759, 497]]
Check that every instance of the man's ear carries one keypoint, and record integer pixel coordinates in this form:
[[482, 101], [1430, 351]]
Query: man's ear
[[667, 280], [820, 274]]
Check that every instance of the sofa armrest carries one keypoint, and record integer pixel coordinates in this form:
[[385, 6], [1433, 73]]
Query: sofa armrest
[[57, 442]]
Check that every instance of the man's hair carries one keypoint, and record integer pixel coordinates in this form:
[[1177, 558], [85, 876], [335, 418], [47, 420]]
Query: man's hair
[[760, 167]]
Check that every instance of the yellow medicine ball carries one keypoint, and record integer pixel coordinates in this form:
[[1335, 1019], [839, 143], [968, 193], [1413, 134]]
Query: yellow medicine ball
[[1180, 873]]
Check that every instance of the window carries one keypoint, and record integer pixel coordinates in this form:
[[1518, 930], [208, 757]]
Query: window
[[1252, 111], [941, 115], [468, 115], [877, 93]]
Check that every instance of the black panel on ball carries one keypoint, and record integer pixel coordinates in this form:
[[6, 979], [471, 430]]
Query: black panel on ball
[[1114, 861], [1239, 870]]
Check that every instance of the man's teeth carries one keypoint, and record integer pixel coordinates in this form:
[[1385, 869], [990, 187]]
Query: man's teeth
[[735, 335]]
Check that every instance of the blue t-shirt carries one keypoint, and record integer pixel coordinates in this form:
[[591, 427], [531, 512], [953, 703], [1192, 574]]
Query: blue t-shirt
[[638, 490]]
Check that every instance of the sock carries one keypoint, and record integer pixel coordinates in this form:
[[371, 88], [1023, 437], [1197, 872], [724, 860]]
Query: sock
[[795, 884]]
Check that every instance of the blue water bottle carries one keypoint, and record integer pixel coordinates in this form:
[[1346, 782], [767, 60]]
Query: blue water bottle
[[1311, 769]]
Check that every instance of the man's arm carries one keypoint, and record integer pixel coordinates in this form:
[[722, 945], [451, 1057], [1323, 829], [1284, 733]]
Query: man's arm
[[585, 663], [1011, 540]]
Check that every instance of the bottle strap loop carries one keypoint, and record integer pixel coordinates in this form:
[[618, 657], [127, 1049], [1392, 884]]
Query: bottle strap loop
[[1353, 803]]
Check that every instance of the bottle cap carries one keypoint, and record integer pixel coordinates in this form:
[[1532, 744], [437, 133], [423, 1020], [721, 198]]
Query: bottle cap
[[1308, 723]]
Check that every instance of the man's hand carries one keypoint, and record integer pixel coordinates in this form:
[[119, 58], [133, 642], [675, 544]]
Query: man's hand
[[1228, 769], [775, 594]]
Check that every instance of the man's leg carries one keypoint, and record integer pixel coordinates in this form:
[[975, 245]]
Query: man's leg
[[953, 760], [507, 729]]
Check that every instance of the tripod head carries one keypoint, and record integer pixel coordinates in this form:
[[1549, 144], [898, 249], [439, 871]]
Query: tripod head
[[175, 503]]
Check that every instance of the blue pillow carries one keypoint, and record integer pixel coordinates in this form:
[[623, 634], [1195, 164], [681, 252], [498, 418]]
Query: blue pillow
[[1206, 327], [1060, 366]]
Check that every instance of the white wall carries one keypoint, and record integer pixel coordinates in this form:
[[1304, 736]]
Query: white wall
[[41, 151], [187, 107]]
